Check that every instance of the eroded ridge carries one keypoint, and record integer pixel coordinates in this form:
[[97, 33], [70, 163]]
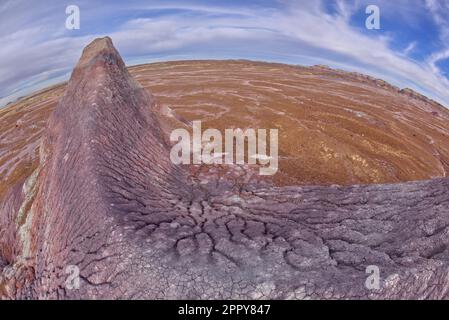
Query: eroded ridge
[[106, 199]]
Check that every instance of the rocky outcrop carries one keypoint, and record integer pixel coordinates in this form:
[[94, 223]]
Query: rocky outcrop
[[106, 201]]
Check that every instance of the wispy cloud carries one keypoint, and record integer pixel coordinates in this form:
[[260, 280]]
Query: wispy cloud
[[411, 46], [440, 12], [37, 47]]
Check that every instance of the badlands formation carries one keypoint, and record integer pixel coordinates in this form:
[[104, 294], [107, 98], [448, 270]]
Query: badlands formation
[[87, 183]]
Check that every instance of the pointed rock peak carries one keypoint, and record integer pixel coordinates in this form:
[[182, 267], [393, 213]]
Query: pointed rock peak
[[99, 83], [100, 50], [99, 43]]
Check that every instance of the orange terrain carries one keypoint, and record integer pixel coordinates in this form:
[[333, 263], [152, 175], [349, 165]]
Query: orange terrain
[[334, 127]]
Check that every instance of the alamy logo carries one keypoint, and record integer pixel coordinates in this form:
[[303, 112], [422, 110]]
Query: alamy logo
[[72, 22], [207, 147], [373, 20], [373, 280], [73, 279]]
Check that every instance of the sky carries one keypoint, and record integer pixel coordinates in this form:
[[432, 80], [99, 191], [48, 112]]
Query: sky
[[411, 48]]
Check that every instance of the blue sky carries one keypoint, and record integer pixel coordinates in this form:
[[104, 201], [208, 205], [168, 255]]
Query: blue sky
[[410, 50]]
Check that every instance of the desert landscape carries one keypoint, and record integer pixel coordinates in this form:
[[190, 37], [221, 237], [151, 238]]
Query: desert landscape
[[87, 182], [360, 131]]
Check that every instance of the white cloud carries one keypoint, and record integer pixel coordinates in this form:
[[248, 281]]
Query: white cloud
[[299, 27], [410, 48]]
